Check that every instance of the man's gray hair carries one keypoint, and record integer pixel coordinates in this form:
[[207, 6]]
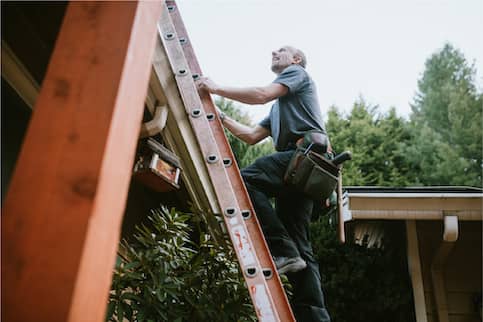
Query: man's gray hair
[[300, 54]]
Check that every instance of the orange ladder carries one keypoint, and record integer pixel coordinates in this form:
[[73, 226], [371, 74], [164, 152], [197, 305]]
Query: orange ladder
[[263, 282]]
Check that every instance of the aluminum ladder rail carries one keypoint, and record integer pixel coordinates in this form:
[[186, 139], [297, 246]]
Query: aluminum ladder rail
[[263, 281]]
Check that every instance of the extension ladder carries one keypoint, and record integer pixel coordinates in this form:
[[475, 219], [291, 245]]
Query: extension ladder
[[263, 282]]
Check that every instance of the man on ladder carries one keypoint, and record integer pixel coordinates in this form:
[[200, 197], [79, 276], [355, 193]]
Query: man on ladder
[[295, 112]]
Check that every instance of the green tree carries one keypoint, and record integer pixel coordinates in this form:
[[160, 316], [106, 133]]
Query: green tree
[[447, 122], [435, 161], [361, 283], [244, 153], [375, 140]]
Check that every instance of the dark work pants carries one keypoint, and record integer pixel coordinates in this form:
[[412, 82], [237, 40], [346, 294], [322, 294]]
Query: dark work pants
[[286, 230]]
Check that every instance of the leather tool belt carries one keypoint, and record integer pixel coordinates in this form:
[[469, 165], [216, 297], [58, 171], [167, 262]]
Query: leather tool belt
[[310, 172]]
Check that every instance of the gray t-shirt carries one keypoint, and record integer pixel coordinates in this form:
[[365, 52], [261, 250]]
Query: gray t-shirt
[[295, 113]]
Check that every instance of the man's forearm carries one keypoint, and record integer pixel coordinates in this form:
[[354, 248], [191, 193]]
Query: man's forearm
[[247, 95], [239, 130], [250, 135]]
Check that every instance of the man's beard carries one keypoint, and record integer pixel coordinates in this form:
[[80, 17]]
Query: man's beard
[[276, 68]]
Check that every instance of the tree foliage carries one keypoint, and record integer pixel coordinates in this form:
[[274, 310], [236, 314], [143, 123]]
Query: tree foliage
[[447, 122], [441, 144], [174, 271], [375, 140]]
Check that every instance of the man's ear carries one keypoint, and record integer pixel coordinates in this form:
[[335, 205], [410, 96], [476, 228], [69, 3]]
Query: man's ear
[[296, 60]]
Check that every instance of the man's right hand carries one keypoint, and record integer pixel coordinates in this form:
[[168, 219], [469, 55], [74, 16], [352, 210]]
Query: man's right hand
[[205, 84]]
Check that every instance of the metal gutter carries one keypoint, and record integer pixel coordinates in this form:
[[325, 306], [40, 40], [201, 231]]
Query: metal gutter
[[466, 215], [414, 195]]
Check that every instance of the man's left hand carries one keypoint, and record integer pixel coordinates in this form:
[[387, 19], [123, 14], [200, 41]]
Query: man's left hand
[[206, 84]]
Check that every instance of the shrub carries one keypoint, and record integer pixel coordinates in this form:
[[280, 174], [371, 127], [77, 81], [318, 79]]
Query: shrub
[[174, 271]]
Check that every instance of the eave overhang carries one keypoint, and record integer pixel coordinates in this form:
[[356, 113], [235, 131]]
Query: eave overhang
[[413, 203]]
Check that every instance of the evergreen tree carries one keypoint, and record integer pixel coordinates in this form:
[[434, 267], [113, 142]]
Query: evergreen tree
[[376, 142], [435, 161], [361, 283], [447, 122]]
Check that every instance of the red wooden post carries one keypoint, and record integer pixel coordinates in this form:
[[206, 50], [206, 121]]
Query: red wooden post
[[62, 214]]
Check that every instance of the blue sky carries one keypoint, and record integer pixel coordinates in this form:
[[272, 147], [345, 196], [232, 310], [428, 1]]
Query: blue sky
[[374, 48]]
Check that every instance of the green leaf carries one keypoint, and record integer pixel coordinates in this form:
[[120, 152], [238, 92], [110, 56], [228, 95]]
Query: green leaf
[[120, 311], [110, 310]]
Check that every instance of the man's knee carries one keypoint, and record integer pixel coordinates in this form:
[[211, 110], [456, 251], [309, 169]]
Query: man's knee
[[253, 175]]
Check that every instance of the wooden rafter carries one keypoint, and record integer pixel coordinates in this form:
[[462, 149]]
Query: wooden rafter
[[62, 214]]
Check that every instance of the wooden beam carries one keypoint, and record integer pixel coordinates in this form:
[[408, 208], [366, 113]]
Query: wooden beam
[[62, 214], [18, 77], [414, 263], [340, 212], [438, 280]]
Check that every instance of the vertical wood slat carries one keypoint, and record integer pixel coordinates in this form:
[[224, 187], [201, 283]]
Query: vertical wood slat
[[62, 214], [340, 211], [414, 267]]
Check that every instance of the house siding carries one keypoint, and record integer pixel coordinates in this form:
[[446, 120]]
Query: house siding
[[462, 271]]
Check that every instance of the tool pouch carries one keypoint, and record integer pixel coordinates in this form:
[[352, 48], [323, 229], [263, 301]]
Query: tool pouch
[[311, 173]]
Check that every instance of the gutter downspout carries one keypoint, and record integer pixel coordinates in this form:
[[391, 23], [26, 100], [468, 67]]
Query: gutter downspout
[[157, 124], [450, 235]]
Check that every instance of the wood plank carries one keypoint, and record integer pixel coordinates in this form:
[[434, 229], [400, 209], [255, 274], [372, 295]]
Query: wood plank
[[438, 282], [18, 77], [459, 303], [414, 263], [340, 212], [463, 268], [465, 318], [462, 303], [62, 215]]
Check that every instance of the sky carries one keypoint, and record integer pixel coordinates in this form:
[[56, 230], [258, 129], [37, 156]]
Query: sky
[[375, 49]]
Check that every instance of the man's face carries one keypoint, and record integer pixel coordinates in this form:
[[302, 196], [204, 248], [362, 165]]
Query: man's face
[[281, 59]]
